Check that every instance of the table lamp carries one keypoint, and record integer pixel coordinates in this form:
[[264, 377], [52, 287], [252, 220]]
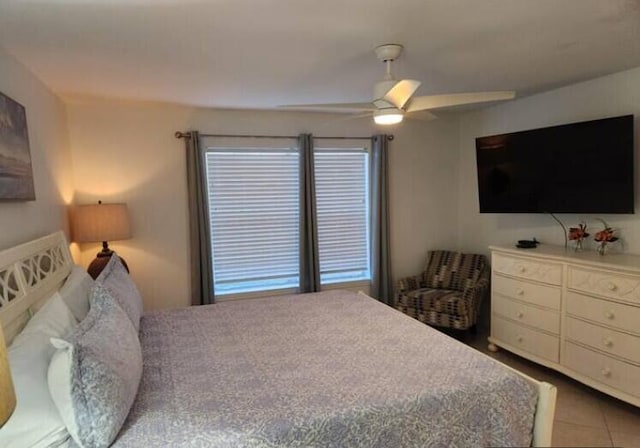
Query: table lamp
[[93, 223], [7, 394]]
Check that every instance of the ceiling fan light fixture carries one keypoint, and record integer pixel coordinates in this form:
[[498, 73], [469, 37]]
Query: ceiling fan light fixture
[[388, 116], [393, 98]]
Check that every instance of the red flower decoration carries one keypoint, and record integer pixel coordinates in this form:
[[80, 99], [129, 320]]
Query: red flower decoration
[[606, 235], [578, 233]]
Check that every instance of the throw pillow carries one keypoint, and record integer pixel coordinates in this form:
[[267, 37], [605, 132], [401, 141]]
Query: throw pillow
[[118, 281], [95, 373]]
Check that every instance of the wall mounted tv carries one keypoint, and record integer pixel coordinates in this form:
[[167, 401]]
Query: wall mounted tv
[[582, 167]]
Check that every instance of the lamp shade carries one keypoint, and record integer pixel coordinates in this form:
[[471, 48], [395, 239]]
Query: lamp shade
[[101, 222], [7, 394]]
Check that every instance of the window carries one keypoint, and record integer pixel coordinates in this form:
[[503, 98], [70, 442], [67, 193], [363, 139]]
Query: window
[[342, 198], [254, 215], [254, 218]]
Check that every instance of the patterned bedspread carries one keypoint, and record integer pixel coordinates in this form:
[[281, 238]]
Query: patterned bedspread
[[332, 369]]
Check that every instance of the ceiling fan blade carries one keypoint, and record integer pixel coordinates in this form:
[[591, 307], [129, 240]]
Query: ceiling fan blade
[[348, 106], [456, 99], [401, 92], [358, 116], [423, 115], [347, 117]]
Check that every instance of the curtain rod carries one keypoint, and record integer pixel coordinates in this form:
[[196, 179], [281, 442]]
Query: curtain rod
[[179, 134]]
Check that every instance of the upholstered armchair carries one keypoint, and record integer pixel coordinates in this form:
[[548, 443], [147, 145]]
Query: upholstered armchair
[[448, 293]]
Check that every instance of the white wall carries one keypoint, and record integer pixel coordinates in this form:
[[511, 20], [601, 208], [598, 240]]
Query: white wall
[[50, 157], [126, 151], [608, 96]]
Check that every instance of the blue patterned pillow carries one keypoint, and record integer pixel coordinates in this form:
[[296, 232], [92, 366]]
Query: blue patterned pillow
[[95, 373], [119, 283]]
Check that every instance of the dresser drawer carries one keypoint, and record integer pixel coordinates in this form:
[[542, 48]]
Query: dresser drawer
[[606, 370], [624, 317], [532, 341], [616, 286], [610, 341], [529, 315], [542, 295], [541, 271]]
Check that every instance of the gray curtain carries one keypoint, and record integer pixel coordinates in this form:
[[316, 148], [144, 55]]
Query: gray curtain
[[199, 236], [381, 287], [309, 261]]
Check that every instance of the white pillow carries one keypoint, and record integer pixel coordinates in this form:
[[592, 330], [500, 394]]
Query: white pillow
[[75, 292], [36, 421]]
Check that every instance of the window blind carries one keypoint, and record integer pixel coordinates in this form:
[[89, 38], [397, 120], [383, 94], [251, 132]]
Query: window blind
[[342, 198], [253, 197]]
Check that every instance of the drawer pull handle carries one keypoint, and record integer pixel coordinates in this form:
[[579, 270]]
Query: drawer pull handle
[[608, 342], [519, 338], [612, 286], [606, 372], [520, 291], [609, 314], [520, 314], [522, 269]]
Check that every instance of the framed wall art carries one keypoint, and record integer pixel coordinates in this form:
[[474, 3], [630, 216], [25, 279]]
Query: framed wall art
[[16, 174]]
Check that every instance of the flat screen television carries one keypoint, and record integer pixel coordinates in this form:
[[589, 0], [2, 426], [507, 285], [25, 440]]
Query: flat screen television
[[584, 167]]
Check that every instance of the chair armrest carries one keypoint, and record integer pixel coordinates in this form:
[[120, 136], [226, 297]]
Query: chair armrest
[[476, 292], [473, 296], [410, 283]]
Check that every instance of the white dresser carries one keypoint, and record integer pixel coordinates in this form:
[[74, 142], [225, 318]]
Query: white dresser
[[576, 312]]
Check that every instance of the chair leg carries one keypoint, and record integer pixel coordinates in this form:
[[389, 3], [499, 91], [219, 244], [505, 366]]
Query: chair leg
[[469, 335]]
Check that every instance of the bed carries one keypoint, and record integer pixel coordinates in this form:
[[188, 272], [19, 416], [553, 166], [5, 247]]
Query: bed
[[327, 369]]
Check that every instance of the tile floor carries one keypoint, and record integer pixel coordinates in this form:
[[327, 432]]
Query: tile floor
[[584, 417]]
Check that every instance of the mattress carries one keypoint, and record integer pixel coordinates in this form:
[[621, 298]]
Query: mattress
[[331, 369]]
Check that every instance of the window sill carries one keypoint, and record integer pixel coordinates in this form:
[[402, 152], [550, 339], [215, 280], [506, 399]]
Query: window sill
[[256, 294], [359, 285]]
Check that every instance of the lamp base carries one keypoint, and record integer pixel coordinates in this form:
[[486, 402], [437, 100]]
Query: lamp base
[[101, 260], [8, 400]]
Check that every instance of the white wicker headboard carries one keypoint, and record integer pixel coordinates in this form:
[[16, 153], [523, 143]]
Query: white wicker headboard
[[29, 274]]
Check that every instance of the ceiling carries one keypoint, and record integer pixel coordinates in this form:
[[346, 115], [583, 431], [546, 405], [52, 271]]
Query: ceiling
[[264, 53]]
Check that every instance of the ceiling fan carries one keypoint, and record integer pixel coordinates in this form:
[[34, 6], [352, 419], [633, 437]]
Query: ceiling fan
[[393, 99]]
